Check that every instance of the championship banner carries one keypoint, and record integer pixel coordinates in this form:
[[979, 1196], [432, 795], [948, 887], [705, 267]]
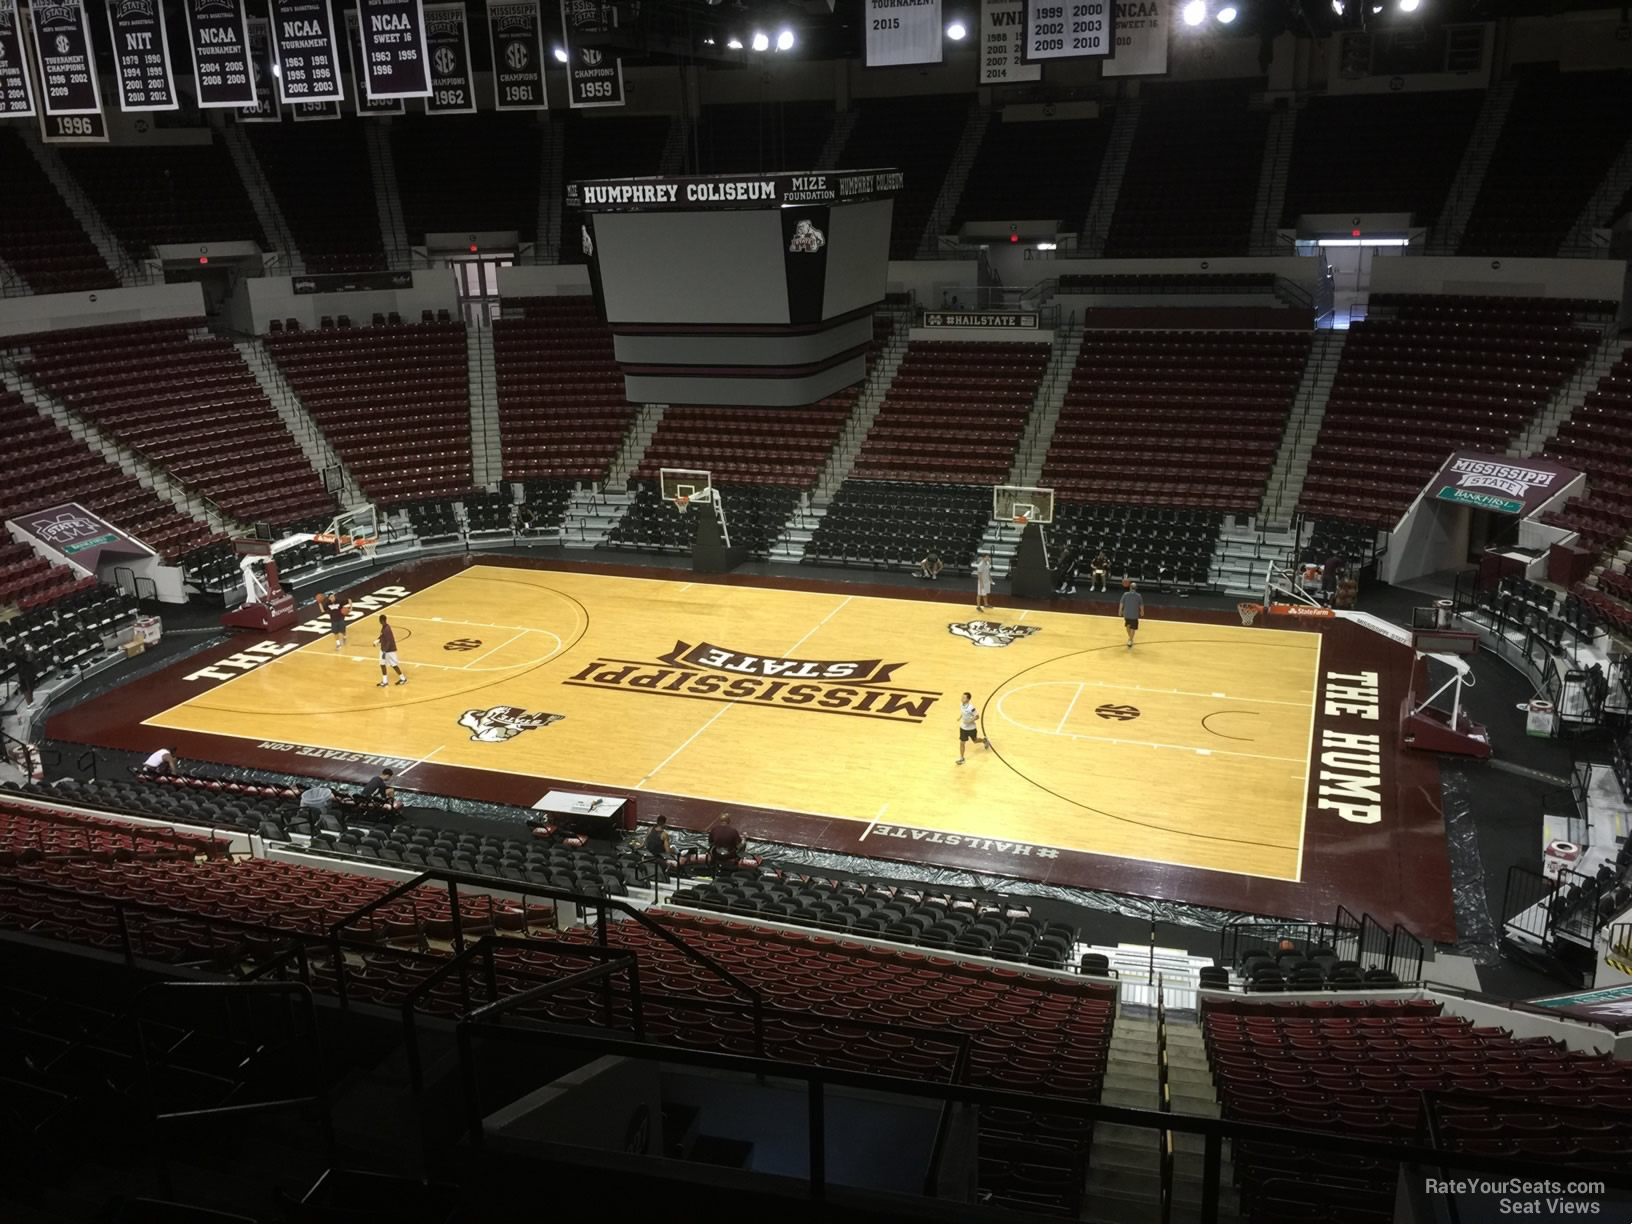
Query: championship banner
[[266, 108], [16, 90], [308, 51], [1002, 24], [306, 112], [141, 55], [1499, 482], [692, 193], [515, 32], [902, 32], [452, 90], [1141, 39], [354, 51], [1070, 29], [592, 79], [62, 49], [394, 63], [220, 45]]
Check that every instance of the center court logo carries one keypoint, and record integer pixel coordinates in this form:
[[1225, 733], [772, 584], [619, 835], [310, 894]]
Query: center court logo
[[498, 724], [705, 672], [990, 633]]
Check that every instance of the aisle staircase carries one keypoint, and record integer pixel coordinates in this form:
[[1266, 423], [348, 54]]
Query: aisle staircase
[[673, 158], [1002, 540], [547, 245], [1582, 240], [844, 122], [1309, 402], [382, 170], [486, 441], [96, 229], [1571, 395], [957, 174], [263, 199], [325, 460], [1452, 222], [1096, 225], [1272, 176], [593, 512]]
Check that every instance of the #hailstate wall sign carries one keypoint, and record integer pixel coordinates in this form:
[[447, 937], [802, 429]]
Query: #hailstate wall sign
[[902, 32], [1142, 28], [308, 51], [220, 46], [354, 51], [266, 108], [16, 90], [394, 48], [1002, 28], [593, 77], [141, 55], [516, 35], [452, 91]]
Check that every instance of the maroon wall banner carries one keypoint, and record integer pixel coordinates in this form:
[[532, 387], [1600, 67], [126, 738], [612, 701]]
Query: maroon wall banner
[[308, 51], [354, 49], [266, 108], [78, 533], [593, 77], [515, 30], [394, 42], [1499, 482], [219, 40], [453, 92], [141, 55], [16, 90]]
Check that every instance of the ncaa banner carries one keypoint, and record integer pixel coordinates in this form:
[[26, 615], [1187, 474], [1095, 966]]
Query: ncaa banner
[[516, 34], [1069, 29], [220, 45], [141, 55], [592, 79], [354, 52], [62, 48], [266, 108], [1142, 28], [16, 90], [452, 90], [902, 32], [1001, 24], [394, 63], [308, 51]]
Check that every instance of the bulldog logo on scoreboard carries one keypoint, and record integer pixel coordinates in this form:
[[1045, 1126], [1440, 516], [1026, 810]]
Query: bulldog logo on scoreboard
[[990, 633], [499, 724], [807, 238]]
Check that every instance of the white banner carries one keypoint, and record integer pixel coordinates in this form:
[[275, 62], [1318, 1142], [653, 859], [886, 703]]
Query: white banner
[[1001, 24], [1070, 29], [1141, 38], [902, 32]]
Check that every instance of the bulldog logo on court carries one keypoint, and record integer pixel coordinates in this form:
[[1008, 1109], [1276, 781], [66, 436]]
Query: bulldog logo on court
[[990, 633], [501, 723]]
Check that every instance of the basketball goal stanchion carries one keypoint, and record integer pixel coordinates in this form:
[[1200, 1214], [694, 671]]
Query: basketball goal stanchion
[[1029, 509], [693, 488]]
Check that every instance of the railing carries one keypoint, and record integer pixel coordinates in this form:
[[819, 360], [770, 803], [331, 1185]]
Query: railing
[[1521, 1005], [1164, 1138]]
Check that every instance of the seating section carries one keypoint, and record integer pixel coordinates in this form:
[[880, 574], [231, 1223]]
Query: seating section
[[1597, 440], [601, 145], [68, 631], [1190, 134], [754, 513], [1158, 548], [319, 174], [49, 466], [1561, 134], [918, 136], [39, 237], [28, 833], [1424, 376], [1191, 419], [393, 400], [954, 412], [562, 411], [1019, 173], [463, 174], [188, 405], [1388, 153], [1152, 284], [151, 194], [750, 136], [887, 524], [29, 580], [1360, 1069], [749, 446]]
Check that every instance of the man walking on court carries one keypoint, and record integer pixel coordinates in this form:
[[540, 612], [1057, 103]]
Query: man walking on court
[[1133, 604], [983, 582], [969, 726], [387, 642]]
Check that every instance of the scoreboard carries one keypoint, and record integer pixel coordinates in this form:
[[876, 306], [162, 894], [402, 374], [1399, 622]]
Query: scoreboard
[[1069, 29]]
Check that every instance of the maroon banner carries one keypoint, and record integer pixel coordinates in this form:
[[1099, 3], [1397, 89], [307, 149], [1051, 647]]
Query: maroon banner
[[1499, 482]]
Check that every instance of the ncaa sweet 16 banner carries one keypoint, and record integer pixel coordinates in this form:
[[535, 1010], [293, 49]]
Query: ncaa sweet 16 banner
[[354, 52], [902, 32], [141, 55], [1002, 25], [1142, 28], [16, 90], [394, 64], [593, 79]]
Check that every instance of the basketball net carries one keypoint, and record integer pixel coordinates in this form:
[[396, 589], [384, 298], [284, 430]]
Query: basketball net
[[680, 504], [1249, 611], [1020, 521]]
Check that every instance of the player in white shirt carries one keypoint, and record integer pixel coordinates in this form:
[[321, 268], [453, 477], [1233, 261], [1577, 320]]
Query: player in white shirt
[[983, 582], [163, 761], [969, 726]]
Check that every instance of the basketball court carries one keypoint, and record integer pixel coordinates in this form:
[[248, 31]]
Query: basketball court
[[821, 713]]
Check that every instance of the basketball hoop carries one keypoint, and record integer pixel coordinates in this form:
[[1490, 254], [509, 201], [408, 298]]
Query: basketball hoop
[[1249, 611], [1020, 521], [680, 504]]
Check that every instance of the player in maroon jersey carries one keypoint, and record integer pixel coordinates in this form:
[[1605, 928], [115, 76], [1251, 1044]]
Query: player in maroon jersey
[[387, 642]]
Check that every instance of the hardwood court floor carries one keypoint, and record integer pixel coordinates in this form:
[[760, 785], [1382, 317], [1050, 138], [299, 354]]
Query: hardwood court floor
[[1191, 749]]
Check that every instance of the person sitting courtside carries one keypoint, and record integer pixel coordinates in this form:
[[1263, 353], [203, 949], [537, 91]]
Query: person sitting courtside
[[724, 843], [1097, 569], [929, 567]]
